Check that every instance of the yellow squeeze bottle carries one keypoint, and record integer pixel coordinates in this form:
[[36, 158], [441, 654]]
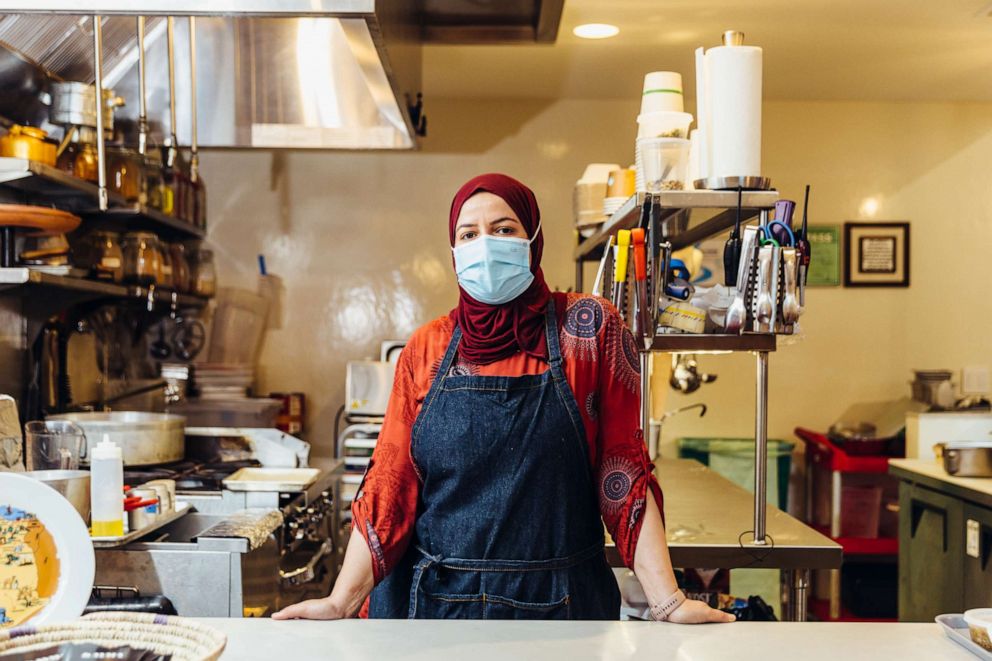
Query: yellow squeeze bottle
[[107, 489]]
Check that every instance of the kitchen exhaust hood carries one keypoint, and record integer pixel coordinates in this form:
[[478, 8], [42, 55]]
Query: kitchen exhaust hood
[[326, 74]]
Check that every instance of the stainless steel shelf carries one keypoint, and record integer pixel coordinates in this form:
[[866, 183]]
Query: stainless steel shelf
[[54, 184], [146, 218], [706, 518], [81, 196], [25, 278], [673, 202], [692, 343]]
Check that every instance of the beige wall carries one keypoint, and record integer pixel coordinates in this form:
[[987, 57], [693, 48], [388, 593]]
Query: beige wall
[[360, 240]]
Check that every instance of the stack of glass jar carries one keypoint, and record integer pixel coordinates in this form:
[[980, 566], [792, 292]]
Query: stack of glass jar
[[141, 258]]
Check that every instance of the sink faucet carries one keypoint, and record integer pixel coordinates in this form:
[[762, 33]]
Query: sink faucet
[[671, 414]]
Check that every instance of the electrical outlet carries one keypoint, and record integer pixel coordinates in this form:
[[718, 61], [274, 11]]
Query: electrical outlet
[[975, 380]]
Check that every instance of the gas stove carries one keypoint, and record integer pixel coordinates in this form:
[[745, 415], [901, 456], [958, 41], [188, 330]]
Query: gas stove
[[191, 477], [297, 561]]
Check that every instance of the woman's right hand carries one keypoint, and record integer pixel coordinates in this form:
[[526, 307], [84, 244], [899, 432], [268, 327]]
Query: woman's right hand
[[312, 609]]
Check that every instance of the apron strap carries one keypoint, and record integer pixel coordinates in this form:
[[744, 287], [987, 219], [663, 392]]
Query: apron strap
[[442, 371], [551, 333]]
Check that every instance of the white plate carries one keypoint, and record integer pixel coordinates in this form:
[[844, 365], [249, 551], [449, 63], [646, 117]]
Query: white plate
[[48, 547]]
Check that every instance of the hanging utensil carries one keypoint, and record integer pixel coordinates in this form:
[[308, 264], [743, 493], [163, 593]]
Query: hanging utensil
[[173, 151], [620, 269], [732, 249], [101, 152], [142, 109], [194, 159], [804, 251], [737, 313], [597, 285], [160, 349], [643, 318]]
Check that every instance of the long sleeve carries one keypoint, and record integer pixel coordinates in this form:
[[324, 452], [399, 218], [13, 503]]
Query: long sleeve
[[385, 510], [622, 466]]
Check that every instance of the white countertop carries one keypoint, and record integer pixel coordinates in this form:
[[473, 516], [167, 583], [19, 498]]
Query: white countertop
[[440, 640], [933, 468]]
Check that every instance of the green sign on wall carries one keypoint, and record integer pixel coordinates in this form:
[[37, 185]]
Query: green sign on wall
[[825, 264]]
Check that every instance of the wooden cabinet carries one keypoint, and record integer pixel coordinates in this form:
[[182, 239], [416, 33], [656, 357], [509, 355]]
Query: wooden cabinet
[[931, 553], [977, 556]]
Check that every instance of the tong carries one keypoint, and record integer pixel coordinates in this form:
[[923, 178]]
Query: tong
[[737, 312], [597, 285], [620, 269], [643, 314], [765, 301], [791, 308]]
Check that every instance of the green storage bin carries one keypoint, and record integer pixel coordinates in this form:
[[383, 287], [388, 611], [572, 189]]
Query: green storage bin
[[733, 458]]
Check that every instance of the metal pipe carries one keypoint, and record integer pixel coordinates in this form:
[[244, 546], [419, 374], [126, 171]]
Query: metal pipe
[[194, 161], [142, 109], [101, 154], [761, 448], [170, 23]]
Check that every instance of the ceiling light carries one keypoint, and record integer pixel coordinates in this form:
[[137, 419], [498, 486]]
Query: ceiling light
[[596, 31]]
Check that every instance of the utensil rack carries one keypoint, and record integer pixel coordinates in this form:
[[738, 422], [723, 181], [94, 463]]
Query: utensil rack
[[670, 215]]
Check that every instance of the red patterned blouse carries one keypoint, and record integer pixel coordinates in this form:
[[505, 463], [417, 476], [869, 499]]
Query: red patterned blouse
[[601, 365]]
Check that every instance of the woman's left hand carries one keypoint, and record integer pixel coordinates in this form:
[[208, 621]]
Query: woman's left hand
[[697, 612]]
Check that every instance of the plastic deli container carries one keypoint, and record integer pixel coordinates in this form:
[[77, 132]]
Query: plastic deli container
[[979, 621], [663, 124], [663, 163]]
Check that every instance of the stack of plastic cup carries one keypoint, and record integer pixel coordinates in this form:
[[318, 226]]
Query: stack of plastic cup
[[661, 114]]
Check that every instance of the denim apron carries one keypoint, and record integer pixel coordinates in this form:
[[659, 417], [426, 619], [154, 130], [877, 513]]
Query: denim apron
[[508, 523]]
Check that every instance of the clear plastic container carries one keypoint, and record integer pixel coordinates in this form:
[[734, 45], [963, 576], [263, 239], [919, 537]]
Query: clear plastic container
[[663, 163], [107, 489], [663, 124]]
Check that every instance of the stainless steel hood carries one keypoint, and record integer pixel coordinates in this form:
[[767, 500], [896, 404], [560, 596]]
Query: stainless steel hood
[[331, 74]]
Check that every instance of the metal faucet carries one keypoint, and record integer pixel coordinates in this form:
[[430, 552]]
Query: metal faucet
[[671, 414]]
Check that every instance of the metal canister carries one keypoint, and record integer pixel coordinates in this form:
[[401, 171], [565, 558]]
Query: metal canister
[[166, 490], [142, 517]]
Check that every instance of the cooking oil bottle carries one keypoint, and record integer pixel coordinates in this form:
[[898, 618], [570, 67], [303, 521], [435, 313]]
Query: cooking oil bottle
[[107, 489]]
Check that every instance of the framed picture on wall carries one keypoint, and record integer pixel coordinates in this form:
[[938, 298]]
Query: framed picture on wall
[[825, 250], [876, 254]]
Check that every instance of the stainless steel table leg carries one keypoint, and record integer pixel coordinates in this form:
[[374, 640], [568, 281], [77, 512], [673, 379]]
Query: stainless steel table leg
[[799, 595], [761, 448], [645, 358]]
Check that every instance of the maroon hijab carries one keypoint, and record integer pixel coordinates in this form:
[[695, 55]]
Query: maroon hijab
[[494, 332]]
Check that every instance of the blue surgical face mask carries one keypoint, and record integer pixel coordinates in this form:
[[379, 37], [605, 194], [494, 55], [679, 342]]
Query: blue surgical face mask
[[494, 269]]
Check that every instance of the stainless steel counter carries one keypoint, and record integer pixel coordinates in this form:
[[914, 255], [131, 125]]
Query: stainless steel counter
[[439, 640], [709, 524], [706, 518]]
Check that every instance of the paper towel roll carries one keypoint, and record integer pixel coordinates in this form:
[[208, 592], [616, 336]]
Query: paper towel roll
[[733, 111]]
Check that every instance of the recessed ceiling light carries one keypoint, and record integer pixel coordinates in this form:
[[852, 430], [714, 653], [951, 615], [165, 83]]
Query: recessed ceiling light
[[596, 31]]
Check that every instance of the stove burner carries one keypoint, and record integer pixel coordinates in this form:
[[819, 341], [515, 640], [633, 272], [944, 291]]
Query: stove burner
[[193, 483], [189, 475]]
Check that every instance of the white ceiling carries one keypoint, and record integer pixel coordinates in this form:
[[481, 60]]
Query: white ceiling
[[884, 50]]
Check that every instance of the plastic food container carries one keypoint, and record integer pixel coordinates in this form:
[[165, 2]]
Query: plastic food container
[[663, 124], [979, 621], [664, 163]]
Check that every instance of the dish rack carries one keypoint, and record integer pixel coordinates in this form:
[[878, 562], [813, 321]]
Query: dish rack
[[667, 220], [355, 445]]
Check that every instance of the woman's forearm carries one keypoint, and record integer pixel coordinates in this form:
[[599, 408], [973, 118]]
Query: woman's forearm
[[356, 580], [652, 563]]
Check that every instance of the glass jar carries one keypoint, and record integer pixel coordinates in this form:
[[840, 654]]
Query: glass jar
[[180, 267], [125, 173], [166, 274], [142, 258], [103, 256], [204, 274], [153, 180]]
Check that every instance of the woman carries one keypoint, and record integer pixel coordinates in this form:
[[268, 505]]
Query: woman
[[510, 437]]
